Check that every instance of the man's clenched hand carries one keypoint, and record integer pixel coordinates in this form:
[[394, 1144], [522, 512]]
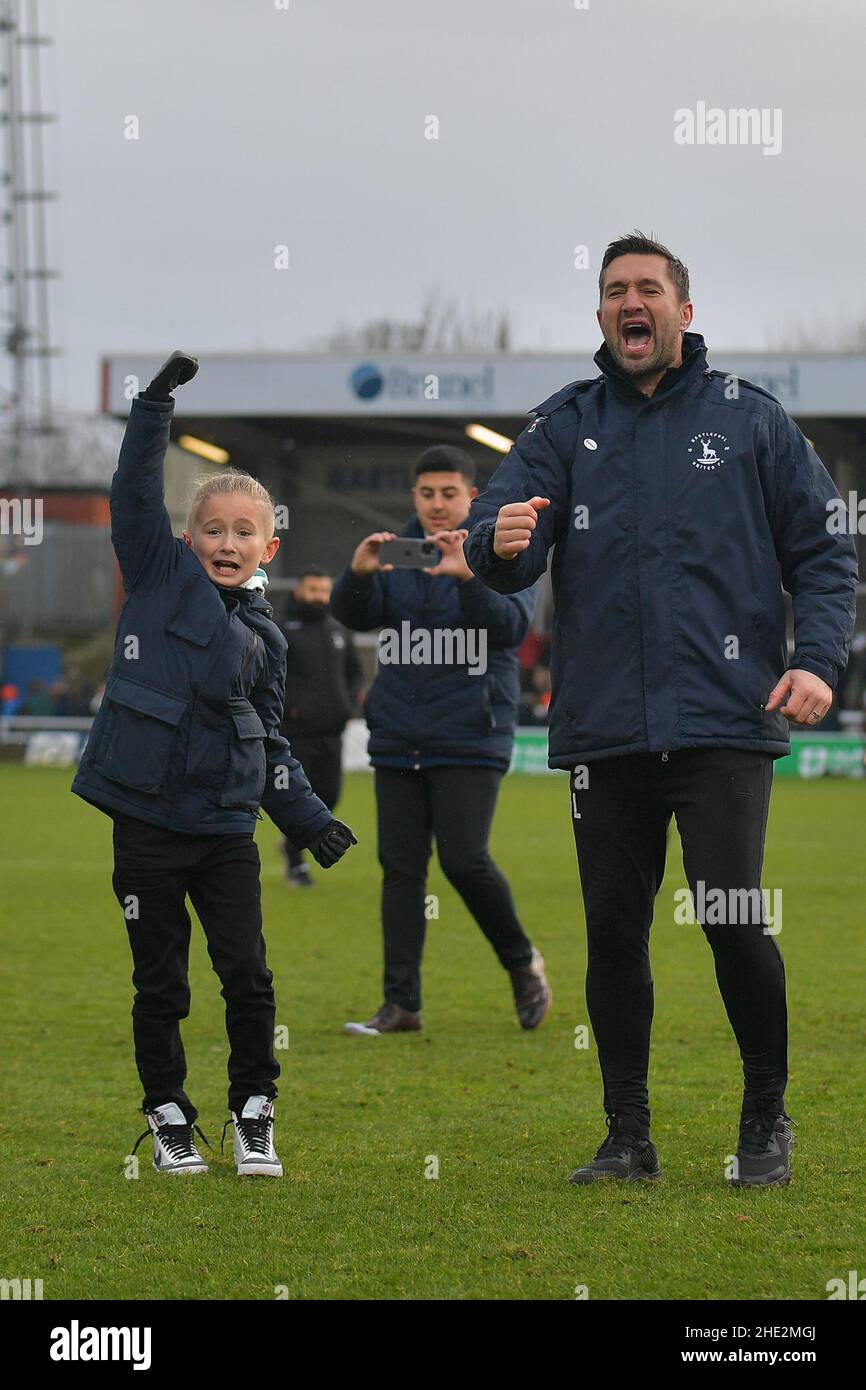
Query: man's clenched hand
[[514, 526]]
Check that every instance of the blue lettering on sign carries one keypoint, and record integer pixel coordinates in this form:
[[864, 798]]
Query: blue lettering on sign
[[409, 384]]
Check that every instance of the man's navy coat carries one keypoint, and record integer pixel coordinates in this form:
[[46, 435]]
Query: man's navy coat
[[677, 520]]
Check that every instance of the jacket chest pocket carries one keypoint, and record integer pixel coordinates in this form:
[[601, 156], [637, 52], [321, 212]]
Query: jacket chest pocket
[[245, 780], [139, 733]]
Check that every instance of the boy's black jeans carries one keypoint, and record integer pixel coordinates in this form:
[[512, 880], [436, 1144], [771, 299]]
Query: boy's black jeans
[[720, 798], [456, 805], [154, 870]]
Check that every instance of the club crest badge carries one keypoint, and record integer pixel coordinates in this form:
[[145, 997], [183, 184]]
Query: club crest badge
[[708, 450]]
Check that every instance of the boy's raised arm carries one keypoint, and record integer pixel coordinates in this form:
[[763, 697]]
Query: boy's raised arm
[[140, 528]]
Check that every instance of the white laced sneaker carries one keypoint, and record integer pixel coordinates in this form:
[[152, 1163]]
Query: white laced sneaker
[[253, 1132], [174, 1147]]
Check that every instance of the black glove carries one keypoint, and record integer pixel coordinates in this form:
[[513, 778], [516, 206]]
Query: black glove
[[180, 367], [331, 844]]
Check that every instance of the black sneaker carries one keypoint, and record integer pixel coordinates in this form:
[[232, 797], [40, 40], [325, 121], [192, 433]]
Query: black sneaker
[[763, 1157], [626, 1155], [174, 1147]]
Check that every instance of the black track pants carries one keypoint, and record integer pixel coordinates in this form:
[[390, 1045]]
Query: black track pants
[[621, 810]]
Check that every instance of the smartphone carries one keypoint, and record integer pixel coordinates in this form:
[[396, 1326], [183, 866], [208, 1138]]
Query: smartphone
[[410, 553]]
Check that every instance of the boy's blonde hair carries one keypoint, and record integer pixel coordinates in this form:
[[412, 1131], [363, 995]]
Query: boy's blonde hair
[[233, 481]]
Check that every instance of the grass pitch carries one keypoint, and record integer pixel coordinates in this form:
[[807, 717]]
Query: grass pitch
[[506, 1115]]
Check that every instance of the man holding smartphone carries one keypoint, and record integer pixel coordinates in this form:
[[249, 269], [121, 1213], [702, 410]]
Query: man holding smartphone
[[441, 715]]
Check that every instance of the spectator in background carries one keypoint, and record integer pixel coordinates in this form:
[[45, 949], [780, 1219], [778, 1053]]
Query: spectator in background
[[10, 698], [323, 685], [441, 737], [82, 695], [62, 699], [39, 700], [535, 679], [540, 706]]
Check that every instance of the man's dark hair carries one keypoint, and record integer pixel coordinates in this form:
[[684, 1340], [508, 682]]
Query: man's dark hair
[[639, 245], [446, 458], [312, 572]]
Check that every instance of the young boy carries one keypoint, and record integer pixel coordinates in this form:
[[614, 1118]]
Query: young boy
[[183, 751]]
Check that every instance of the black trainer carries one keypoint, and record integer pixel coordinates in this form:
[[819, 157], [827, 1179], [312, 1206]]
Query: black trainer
[[626, 1155], [763, 1157]]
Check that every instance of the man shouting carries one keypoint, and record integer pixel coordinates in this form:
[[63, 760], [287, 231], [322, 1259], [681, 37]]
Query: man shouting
[[680, 502]]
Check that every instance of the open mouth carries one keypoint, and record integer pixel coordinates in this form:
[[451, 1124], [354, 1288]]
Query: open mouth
[[227, 568], [636, 338]]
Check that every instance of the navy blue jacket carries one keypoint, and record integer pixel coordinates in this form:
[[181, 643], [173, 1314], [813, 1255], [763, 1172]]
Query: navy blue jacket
[[428, 715], [701, 503], [187, 736]]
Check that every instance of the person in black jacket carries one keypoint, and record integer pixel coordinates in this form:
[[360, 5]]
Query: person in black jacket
[[323, 686], [441, 715], [184, 749], [679, 500]]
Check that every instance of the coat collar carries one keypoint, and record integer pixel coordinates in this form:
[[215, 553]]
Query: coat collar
[[250, 599], [694, 362]]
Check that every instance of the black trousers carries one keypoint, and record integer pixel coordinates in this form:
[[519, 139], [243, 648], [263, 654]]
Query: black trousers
[[455, 804], [154, 870], [720, 798], [322, 758]]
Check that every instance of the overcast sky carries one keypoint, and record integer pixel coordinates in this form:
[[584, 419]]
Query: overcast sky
[[305, 126]]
